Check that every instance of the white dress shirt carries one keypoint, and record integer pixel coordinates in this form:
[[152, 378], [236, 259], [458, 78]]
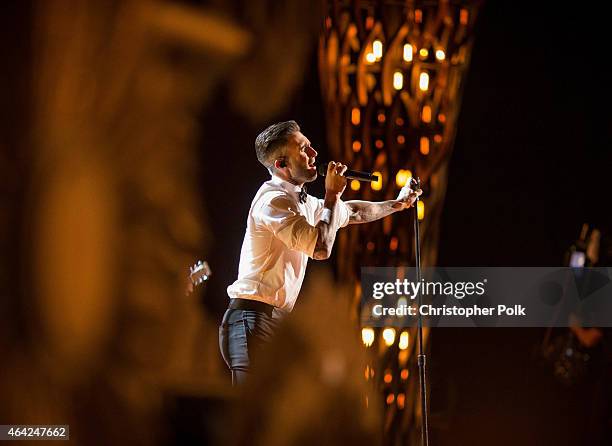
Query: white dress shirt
[[280, 236]]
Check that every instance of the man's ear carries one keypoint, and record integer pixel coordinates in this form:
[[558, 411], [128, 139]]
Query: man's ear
[[280, 163]]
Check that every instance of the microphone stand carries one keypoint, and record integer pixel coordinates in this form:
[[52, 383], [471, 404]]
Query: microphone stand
[[416, 184]]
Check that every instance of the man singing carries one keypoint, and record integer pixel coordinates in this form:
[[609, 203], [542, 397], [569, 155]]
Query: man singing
[[285, 227]]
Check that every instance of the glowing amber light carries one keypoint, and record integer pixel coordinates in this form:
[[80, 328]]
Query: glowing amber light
[[404, 374], [408, 52], [355, 185], [328, 22], [403, 340], [440, 55], [379, 144], [388, 335], [424, 146], [426, 115], [418, 15], [367, 336], [390, 398], [401, 400], [421, 210], [388, 377], [355, 116], [370, 58], [424, 81], [371, 246], [398, 80], [423, 53], [401, 139], [442, 117], [463, 17], [399, 121], [377, 49], [369, 22], [402, 177], [377, 185], [393, 243], [381, 117], [438, 138], [402, 357], [367, 372], [356, 146]]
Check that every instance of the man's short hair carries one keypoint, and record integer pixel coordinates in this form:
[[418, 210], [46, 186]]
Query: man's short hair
[[269, 143]]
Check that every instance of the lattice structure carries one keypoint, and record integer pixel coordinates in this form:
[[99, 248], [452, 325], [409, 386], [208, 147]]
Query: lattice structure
[[392, 74]]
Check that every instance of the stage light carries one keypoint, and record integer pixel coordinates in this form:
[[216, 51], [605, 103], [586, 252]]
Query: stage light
[[421, 210], [440, 55], [398, 80], [463, 17], [390, 399], [381, 118], [401, 139], [377, 185], [393, 244], [442, 118], [377, 49], [418, 15], [388, 335], [401, 400], [388, 377], [424, 81], [355, 116], [404, 374], [408, 52], [356, 146], [370, 58], [379, 143], [367, 336], [355, 185], [402, 177], [426, 114], [424, 146], [423, 53], [402, 357], [437, 139], [403, 341]]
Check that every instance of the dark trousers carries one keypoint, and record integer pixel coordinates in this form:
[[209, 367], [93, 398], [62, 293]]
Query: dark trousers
[[241, 334]]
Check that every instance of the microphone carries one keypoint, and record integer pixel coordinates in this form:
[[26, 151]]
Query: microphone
[[350, 174]]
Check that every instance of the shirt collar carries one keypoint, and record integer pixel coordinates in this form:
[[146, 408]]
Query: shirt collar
[[289, 187]]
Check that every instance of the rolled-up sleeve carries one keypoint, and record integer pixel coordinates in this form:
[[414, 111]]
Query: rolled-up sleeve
[[278, 213], [343, 210]]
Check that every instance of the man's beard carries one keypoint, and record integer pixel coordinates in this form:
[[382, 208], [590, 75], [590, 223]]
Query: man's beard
[[307, 176]]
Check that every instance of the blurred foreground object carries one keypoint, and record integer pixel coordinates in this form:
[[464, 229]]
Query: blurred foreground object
[[101, 215]]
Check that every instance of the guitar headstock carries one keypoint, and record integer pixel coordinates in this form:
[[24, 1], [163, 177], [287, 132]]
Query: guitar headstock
[[199, 272]]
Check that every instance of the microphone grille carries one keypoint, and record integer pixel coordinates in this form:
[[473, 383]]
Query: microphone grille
[[322, 169]]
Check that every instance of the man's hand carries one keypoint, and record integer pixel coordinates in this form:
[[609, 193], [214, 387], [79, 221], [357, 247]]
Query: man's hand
[[335, 182], [406, 197]]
